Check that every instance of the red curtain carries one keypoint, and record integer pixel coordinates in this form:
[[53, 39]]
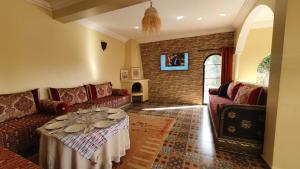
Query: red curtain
[[227, 61]]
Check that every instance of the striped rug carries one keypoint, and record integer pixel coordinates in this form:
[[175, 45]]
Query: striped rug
[[147, 134]]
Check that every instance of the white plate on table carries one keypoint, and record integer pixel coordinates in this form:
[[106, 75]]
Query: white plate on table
[[114, 111], [63, 117], [103, 124], [56, 125], [74, 128], [117, 116], [99, 109]]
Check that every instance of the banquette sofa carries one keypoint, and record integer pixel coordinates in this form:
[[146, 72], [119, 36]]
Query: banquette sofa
[[237, 112], [11, 160], [22, 113]]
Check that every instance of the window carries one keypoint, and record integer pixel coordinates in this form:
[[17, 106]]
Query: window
[[263, 71], [212, 74]]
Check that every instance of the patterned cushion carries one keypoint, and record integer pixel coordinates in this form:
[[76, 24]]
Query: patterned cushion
[[11, 160], [16, 105], [100, 90], [233, 88], [69, 95], [247, 95], [20, 135]]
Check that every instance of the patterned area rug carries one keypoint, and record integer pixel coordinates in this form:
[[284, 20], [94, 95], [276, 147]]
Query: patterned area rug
[[147, 135], [190, 143]]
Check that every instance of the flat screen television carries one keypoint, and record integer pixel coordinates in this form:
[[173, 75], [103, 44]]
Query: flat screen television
[[174, 61]]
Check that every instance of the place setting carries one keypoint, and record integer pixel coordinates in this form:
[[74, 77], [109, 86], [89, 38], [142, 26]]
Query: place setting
[[85, 121]]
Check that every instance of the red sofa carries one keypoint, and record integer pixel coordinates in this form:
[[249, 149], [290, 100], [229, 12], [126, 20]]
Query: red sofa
[[91, 96], [22, 113], [10, 160], [233, 121]]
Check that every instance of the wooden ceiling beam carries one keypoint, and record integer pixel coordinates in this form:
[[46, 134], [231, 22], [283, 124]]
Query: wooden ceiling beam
[[88, 8]]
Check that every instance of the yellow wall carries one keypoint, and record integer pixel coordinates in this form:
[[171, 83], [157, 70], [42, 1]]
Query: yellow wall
[[38, 52], [287, 137], [258, 46], [133, 55], [281, 145]]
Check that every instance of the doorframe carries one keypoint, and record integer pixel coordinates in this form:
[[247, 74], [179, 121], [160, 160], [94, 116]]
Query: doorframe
[[203, 77]]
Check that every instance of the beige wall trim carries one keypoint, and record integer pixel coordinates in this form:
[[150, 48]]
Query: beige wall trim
[[41, 3], [98, 28], [243, 13], [184, 35]]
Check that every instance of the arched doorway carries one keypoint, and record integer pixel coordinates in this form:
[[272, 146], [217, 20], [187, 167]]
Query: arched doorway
[[212, 67], [254, 42]]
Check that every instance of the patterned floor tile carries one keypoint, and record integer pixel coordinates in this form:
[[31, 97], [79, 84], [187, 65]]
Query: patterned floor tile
[[190, 144]]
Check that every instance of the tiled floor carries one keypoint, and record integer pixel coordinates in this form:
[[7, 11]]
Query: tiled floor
[[190, 143]]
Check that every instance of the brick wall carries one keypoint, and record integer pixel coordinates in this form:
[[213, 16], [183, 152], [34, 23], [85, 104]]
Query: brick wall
[[180, 86]]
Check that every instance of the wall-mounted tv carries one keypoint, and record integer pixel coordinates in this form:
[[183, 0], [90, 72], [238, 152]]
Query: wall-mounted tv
[[174, 61]]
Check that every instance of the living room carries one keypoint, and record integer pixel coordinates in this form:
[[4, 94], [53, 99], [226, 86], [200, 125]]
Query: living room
[[167, 91]]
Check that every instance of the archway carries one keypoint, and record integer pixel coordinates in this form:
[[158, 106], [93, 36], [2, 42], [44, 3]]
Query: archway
[[256, 33]]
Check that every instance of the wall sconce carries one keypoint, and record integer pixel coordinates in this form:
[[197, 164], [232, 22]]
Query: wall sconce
[[103, 45]]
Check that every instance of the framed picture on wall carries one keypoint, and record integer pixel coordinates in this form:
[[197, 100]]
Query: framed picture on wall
[[124, 74], [136, 73]]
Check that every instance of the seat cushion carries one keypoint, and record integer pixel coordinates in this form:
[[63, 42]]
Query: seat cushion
[[9, 159], [112, 101], [20, 135], [214, 104]]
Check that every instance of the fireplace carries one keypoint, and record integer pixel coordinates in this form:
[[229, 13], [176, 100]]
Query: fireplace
[[136, 88]]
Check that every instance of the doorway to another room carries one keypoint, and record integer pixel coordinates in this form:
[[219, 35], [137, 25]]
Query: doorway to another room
[[212, 74]]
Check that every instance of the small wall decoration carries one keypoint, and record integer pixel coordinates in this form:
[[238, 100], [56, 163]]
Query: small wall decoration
[[136, 73], [103, 45], [124, 74]]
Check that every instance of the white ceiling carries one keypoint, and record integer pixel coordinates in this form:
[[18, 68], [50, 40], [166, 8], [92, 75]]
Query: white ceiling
[[120, 23]]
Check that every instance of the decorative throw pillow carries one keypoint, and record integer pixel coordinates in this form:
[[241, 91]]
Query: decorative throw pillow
[[100, 90], [36, 96], [16, 105], [233, 88], [223, 89], [69, 95], [247, 95], [255, 95], [55, 107]]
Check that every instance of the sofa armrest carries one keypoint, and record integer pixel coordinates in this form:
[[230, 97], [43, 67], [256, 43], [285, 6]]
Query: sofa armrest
[[120, 92], [242, 122], [54, 107], [213, 91]]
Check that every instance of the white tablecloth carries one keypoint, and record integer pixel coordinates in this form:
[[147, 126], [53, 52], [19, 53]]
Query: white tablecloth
[[55, 155]]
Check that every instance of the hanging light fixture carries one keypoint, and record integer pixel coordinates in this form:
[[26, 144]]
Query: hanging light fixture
[[151, 21]]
